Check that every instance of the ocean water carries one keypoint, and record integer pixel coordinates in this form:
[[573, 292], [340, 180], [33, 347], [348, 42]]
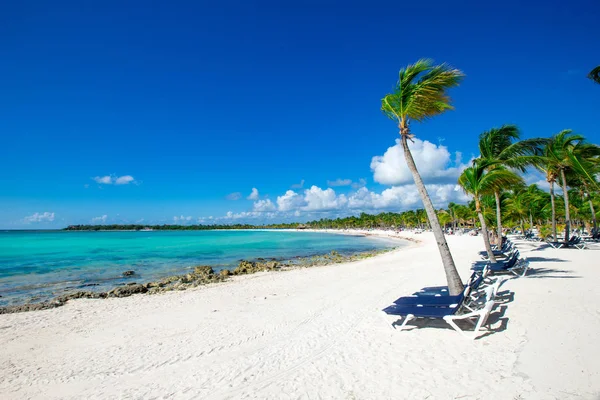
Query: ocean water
[[39, 265]]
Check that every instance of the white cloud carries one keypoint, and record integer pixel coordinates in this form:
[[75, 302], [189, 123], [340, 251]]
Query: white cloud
[[124, 180], [234, 196], [340, 182], [264, 205], [289, 201], [39, 217], [361, 182], [116, 180], [105, 180], [298, 185], [101, 219], [317, 199], [181, 218], [253, 195], [434, 163]]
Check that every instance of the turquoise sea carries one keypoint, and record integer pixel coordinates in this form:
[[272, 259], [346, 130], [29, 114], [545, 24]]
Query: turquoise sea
[[39, 265]]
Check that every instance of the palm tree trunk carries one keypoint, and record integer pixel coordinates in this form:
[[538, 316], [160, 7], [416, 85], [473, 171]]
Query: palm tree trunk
[[455, 285], [484, 232], [594, 223], [498, 219], [530, 220], [553, 211], [567, 213]]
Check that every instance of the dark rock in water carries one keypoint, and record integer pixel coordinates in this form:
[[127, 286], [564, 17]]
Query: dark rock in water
[[129, 273], [126, 291], [89, 284], [131, 284]]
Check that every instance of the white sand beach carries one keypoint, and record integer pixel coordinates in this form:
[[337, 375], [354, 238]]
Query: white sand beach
[[317, 333]]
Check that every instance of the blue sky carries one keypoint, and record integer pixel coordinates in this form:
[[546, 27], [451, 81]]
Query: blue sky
[[186, 103]]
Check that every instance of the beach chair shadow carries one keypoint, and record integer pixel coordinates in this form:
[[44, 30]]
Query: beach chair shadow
[[496, 317], [497, 322], [504, 297]]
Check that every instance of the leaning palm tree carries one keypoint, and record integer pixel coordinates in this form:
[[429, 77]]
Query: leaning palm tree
[[501, 147], [478, 180], [595, 74], [421, 93]]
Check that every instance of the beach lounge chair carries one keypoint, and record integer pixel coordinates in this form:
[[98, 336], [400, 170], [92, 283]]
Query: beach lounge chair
[[449, 314], [513, 265], [574, 241], [504, 253]]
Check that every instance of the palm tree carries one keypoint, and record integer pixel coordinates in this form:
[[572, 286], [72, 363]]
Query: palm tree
[[421, 93], [518, 207], [499, 148], [595, 74], [478, 180], [566, 152], [546, 165]]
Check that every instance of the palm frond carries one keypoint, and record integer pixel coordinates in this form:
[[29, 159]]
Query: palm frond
[[595, 74], [421, 91]]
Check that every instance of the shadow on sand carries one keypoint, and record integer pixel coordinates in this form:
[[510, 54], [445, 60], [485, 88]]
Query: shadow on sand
[[539, 273], [496, 321]]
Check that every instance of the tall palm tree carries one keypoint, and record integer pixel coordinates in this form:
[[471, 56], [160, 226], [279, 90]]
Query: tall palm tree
[[546, 165], [566, 152], [421, 93], [595, 74], [478, 180], [501, 147]]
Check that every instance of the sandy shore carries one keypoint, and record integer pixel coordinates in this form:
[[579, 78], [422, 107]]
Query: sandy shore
[[317, 333]]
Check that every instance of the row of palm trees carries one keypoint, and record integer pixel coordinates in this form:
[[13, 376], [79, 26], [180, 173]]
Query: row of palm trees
[[566, 158]]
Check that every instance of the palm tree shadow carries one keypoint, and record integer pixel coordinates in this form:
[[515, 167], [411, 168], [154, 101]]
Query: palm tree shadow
[[539, 273], [545, 259]]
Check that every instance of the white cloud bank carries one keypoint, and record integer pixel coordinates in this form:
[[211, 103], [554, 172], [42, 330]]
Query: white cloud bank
[[39, 217], [438, 168]]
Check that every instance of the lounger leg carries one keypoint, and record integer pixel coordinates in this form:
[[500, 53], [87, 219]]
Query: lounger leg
[[406, 319], [386, 318], [482, 318], [451, 322]]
